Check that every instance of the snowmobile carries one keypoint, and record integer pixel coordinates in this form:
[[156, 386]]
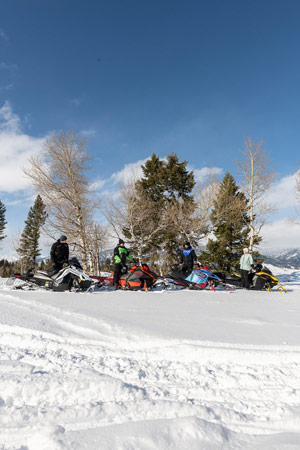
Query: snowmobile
[[264, 279], [199, 278], [261, 279], [68, 278], [138, 277], [202, 277], [178, 275]]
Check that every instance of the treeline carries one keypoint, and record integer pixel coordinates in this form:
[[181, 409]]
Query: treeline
[[155, 213], [8, 268]]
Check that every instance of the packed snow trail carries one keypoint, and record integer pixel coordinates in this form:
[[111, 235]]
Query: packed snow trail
[[76, 373]]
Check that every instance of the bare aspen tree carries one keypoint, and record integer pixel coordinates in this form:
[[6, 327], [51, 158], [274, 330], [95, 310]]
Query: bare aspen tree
[[257, 176], [129, 216], [96, 241], [59, 175]]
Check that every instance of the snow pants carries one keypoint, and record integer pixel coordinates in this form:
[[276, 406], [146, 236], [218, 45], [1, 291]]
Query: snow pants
[[245, 279]]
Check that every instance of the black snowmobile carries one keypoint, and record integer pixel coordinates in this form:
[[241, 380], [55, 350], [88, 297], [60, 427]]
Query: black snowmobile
[[178, 275], [261, 279], [68, 278]]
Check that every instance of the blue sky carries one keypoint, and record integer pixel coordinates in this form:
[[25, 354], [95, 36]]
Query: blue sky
[[138, 77]]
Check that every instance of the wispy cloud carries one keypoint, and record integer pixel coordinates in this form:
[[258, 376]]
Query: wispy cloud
[[202, 174], [97, 185], [88, 132], [15, 149], [78, 100], [3, 35], [6, 88], [130, 171], [5, 66], [9, 122]]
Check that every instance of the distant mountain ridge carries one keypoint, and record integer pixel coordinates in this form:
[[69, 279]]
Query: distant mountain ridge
[[289, 258]]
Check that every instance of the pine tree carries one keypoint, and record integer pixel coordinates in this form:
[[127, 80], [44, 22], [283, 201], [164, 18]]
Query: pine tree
[[29, 241], [169, 185], [2, 220], [153, 181], [230, 222], [178, 181]]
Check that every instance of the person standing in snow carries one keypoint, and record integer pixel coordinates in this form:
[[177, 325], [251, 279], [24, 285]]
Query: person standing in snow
[[120, 255], [246, 262], [59, 254], [188, 258]]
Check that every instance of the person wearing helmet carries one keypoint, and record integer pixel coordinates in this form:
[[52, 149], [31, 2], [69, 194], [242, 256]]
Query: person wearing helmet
[[59, 254]]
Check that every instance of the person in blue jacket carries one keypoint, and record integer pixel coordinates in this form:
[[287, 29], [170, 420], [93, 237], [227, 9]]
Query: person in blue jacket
[[188, 258]]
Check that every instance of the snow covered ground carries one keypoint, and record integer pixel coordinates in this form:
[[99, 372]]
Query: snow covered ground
[[177, 370]]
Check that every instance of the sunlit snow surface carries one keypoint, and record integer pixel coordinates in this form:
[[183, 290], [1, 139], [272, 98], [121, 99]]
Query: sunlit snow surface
[[178, 370]]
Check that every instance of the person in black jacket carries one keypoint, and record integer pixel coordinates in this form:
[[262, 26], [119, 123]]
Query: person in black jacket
[[59, 254], [120, 255], [188, 258]]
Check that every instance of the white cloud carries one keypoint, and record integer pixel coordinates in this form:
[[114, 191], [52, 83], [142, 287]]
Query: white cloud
[[129, 172], [9, 122], [88, 133], [283, 195], [201, 174], [97, 185], [15, 149], [280, 234]]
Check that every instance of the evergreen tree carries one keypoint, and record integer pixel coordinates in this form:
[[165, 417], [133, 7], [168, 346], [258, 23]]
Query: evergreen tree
[[29, 241], [2, 220], [153, 181], [178, 182], [231, 228], [168, 184], [166, 180], [45, 264]]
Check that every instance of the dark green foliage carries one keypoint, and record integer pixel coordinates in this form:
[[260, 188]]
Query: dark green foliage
[[107, 265], [230, 222], [153, 181], [166, 183], [45, 264], [29, 241], [166, 180], [7, 268], [178, 182], [2, 220]]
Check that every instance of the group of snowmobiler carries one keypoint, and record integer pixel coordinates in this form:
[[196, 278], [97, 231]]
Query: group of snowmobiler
[[188, 273], [121, 254], [188, 270]]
